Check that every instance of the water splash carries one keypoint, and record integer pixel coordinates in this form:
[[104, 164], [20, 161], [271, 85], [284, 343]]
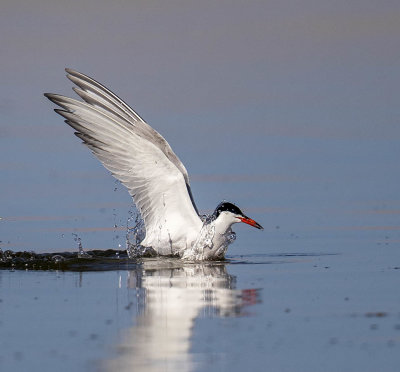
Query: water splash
[[203, 248], [58, 258], [81, 252], [205, 238], [134, 235], [230, 237], [5, 256]]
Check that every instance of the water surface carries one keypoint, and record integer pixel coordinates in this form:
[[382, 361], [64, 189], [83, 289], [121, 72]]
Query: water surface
[[291, 311]]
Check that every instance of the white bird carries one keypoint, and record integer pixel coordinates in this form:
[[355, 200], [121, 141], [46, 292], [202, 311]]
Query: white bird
[[142, 160]]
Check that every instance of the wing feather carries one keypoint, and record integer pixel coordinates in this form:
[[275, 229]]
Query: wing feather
[[94, 92], [133, 152]]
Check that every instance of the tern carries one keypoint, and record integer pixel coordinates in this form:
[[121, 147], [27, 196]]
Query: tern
[[143, 161]]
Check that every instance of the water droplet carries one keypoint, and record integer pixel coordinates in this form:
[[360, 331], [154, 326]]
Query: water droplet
[[58, 258], [81, 252], [135, 234]]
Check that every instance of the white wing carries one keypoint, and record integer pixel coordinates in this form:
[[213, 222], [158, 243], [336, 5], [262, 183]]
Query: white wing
[[135, 154]]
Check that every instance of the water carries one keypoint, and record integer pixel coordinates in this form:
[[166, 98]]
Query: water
[[316, 291], [204, 242], [135, 235], [320, 308]]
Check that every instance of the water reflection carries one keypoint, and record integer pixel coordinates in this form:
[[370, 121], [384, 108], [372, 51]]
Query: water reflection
[[170, 296]]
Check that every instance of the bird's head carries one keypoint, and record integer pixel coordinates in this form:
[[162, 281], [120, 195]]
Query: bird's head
[[231, 214]]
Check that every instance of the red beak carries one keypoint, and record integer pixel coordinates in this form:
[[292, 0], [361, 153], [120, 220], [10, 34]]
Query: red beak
[[251, 222]]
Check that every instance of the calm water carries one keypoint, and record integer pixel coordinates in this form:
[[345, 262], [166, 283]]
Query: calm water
[[320, 309]]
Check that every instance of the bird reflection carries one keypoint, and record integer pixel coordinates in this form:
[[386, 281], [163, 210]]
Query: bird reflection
[[170, 296]]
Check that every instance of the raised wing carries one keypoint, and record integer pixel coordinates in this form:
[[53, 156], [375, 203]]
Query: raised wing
[[132, 151]]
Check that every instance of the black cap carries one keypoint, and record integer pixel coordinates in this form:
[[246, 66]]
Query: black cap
[[227, 207]]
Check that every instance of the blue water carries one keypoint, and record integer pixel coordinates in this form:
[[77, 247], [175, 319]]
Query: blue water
[[317, 290], [317, 308]]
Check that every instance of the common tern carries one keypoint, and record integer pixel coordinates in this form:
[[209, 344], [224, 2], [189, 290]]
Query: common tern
[[143, 161]]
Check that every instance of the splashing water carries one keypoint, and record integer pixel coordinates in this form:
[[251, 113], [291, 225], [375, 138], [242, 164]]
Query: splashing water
[[230, 237], [134, 235], [200, 250], [58, 258], [81, 252], [204, 244], [107, 259]]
